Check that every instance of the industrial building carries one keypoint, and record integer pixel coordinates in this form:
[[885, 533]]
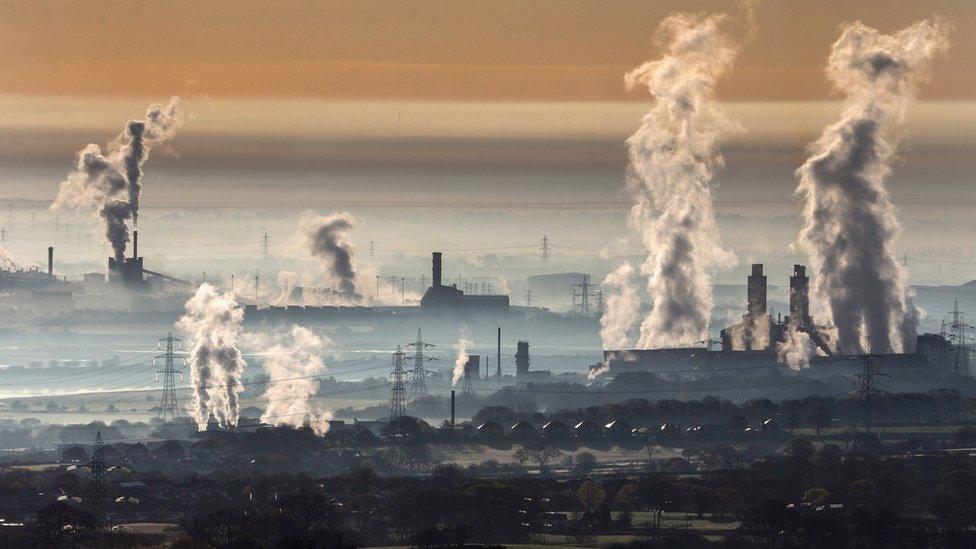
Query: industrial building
[[749, 347], [442, 299]]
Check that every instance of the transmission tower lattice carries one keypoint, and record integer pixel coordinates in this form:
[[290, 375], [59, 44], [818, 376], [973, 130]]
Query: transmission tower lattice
[[581, 295], [265, 246], [418, 385], [960, 341], [867, 391], [97, 467], [546, 251], [169, 409], [398, 395]]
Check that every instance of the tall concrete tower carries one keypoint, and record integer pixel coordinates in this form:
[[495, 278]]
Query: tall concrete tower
[[757, 291], [800, 296]]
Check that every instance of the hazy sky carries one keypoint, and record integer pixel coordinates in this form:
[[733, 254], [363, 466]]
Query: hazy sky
[[479, 104], [426, 49]]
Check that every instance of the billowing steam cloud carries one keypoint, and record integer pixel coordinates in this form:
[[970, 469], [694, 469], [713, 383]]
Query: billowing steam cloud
[[211, 324], [849, 222], [110, 182], [622, 308], [463, 343], [796, 348], [326, 238], [673, 156], [6, 260], [291, 363]]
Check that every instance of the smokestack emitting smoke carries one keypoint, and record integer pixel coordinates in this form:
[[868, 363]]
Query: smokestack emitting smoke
[[464, 342], [291, 363], [211, 324], [326, 238], [849, 222], [673, 156], [110, 182]]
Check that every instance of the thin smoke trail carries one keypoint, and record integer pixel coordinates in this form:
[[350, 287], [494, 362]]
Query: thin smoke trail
[[462, 346]]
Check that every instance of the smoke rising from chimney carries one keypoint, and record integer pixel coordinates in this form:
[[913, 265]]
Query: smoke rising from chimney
[[326, 239], [110, 182], [621, 309], [462, 345], [290, 363], [211, 324], [849, 222], [673, 157]]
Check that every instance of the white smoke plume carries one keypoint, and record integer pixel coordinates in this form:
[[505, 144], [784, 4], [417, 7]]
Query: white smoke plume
[[291, 363], [462, 345], [849, 222], [211, 324], [597, 372], [110, 181], [753, 335], [621, 309], [6, 260], [796, 348], [326, 238], [287, 282], [673, 157]]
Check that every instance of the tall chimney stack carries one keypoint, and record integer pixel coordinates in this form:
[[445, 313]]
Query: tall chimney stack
[[50, 260], [800, 296], [757, 291], [499, 351], [135, 244], [452, 409], [437, 269]]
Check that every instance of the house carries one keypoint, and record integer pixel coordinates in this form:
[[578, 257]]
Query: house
[[490, 429], [618, 428], [670, 429], [587, 429], [555, 429], [523, 429]]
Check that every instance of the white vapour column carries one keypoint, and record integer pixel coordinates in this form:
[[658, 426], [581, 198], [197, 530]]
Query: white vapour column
[[673, 157], [463, 343], [110, 181], [293, 364], [849, 222], [621, 309], [211, 325]]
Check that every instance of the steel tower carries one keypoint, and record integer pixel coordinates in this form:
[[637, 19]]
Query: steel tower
[[169, 409], [418, 385]]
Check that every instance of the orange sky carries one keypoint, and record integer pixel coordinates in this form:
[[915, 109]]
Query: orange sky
[[426, 49]]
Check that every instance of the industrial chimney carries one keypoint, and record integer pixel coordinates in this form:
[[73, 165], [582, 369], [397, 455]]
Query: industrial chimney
[[50, 260], [757, 291], [135, 244], [800, 296], [436, 269]]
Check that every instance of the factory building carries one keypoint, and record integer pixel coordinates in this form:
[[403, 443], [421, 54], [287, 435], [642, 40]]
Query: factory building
[[129, 271], [750, 345], [441, 299]]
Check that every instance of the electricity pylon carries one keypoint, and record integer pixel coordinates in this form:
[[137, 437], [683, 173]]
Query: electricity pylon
[[418, 385], [398, 395], [169, 409]]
